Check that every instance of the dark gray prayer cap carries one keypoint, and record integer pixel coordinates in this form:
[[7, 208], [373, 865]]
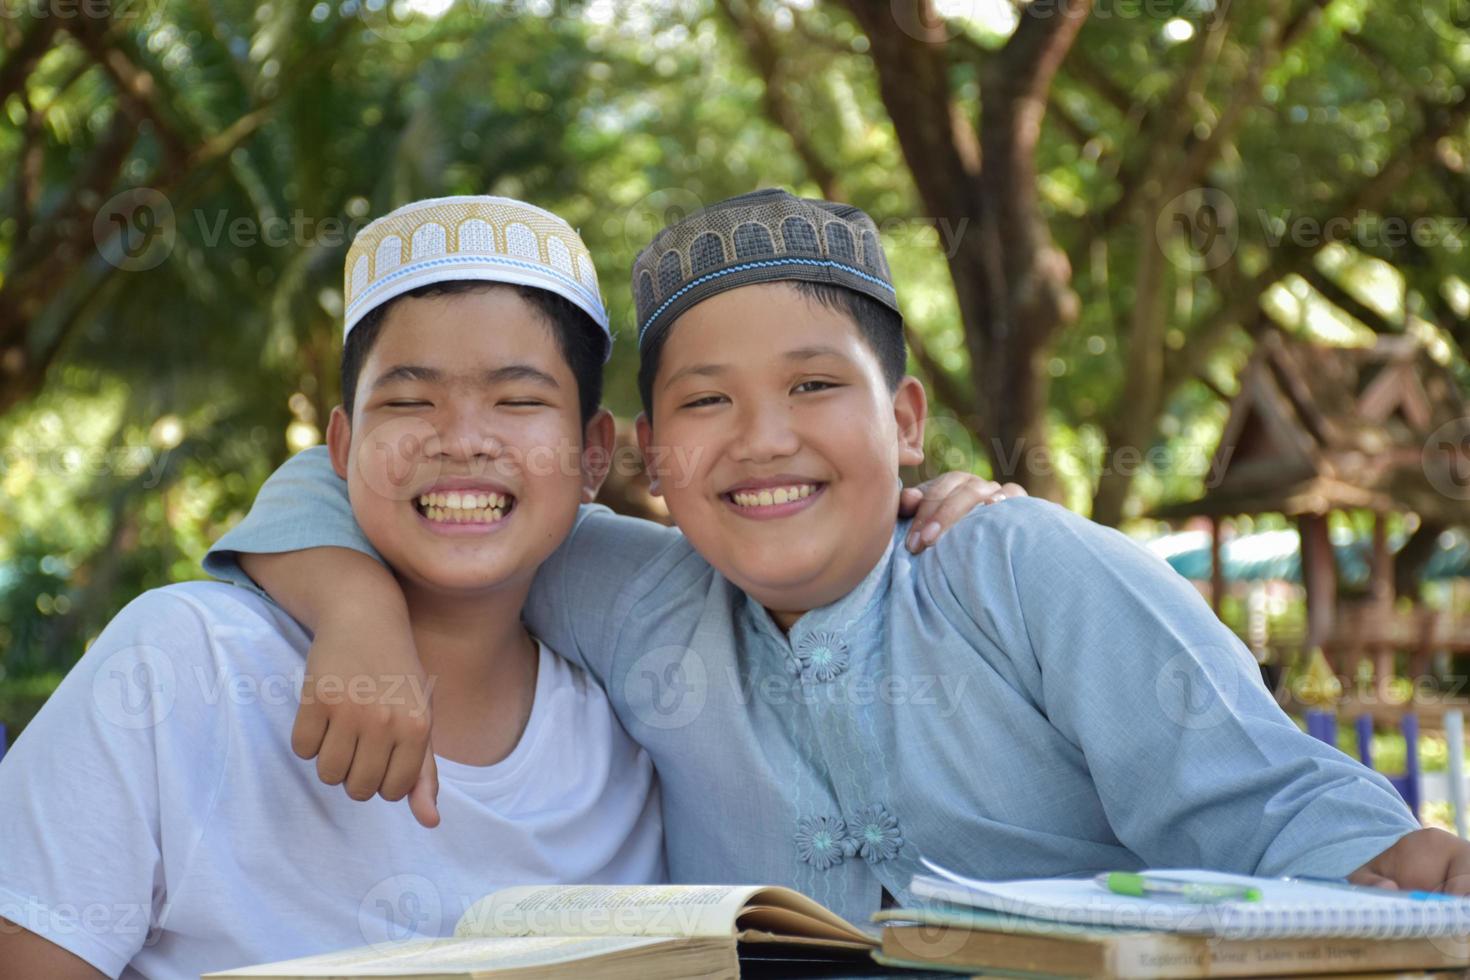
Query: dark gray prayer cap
[[764, 236]]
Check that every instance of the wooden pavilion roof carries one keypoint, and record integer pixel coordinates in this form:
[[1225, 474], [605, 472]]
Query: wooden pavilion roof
[[1316, 428]]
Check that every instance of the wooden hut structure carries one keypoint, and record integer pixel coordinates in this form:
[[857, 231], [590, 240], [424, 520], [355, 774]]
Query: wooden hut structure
[[1317, 429]]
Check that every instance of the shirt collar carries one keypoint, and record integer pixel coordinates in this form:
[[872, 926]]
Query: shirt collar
[[839, 616]]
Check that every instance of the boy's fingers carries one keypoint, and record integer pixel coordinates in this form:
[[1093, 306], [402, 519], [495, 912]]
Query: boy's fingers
[[908, 499], [334, 760], [1373, 879], [937, 493], [423, 800], [403, 766], [1457, 876], [309, 729], [1013, 490], [369, 764], [947, 514]]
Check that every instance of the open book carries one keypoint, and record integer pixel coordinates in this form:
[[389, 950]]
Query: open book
[[643, 932]]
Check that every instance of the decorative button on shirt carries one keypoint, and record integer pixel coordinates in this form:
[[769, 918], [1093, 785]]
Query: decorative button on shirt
[[877, 834], [823, 841], [821, 655]]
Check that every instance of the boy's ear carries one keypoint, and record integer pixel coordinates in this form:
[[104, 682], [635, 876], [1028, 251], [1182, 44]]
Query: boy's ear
[[339, 440], [644, 431], [597, 452], [910, 411]]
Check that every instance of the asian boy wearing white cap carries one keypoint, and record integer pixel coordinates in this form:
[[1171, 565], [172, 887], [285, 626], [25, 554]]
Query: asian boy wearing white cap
[[153, 818]]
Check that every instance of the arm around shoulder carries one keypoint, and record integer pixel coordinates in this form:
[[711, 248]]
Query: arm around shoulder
[[576, 590], [303, 505]]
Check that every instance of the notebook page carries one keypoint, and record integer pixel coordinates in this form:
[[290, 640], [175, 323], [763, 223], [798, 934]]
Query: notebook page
[[1286, 909]]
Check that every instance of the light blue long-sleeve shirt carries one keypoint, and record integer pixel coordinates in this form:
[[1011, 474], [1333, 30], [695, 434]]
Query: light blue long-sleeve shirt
[[1035, 695]]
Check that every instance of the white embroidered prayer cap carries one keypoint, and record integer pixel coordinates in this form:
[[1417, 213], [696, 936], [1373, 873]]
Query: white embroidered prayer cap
[[493, 239]]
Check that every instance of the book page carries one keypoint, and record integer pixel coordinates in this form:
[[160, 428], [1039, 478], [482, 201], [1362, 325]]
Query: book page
[[1287, 908], [791, 914], [608, 910], [441, 956]]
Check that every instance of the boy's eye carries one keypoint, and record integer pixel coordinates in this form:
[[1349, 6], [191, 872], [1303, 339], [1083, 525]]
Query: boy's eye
[[405, 403], [522, 403], [703, 401], [807, 386]]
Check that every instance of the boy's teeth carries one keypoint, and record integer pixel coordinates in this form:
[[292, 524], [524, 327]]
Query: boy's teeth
[[773, 495], [464, 507]]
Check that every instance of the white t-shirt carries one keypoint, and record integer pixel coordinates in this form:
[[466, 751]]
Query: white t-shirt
[[154, 820]]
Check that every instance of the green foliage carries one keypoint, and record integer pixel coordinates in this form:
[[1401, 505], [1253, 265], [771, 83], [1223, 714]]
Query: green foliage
[[179, 387]]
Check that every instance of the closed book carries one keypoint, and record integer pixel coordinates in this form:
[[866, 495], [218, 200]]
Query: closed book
[[976, 940]]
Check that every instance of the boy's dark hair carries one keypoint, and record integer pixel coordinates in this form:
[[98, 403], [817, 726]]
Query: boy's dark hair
[[881, 329], [579, 339]]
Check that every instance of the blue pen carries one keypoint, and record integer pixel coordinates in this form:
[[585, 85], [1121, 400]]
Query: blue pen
[[1417, 896]]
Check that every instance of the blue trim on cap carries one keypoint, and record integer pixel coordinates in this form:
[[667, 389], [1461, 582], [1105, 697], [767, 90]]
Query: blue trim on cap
[[760, 264], [480, 258]]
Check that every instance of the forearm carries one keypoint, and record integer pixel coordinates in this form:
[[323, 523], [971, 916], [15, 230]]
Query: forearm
[[30, 955], [316, 585]]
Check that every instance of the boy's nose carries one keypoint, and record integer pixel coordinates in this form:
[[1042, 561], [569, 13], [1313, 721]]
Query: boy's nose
[[765, 434], [462, 434]]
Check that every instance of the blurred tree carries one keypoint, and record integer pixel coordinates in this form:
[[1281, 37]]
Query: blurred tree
[[1137, 181], [1089, 205]]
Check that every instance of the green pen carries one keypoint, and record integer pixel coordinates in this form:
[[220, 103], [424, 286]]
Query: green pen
[[1199, 892]]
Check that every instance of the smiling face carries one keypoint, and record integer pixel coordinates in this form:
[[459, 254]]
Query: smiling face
[[776, 443], [465, 457]]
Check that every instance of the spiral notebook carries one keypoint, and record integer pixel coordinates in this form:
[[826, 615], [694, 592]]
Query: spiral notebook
[[1287, 909]]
